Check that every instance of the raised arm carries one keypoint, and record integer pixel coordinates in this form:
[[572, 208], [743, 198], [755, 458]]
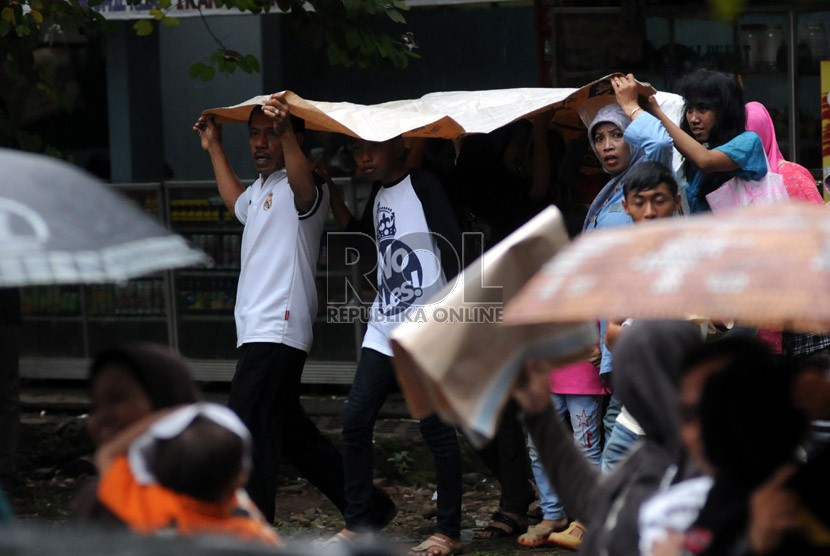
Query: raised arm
[[706, 160], [297, 166], [342, 214], [210, 135], [626, 93], [119, 445], [645, 131]]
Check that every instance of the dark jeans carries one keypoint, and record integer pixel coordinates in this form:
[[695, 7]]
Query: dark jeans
[[506, 458], [373, 380], [609, 418], [265, 393]]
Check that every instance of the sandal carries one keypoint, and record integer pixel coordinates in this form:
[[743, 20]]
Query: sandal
[[341, 540], [570, 538], [493, 531], [438, 545], [539, 533]]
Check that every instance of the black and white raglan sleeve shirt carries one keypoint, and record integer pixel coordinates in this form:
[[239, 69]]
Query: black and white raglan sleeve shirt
[[419, 248]]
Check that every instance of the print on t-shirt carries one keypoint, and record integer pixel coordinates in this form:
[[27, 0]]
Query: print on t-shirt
[[401, 275]]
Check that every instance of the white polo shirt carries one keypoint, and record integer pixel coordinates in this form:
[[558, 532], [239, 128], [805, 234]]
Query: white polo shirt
[[276, 301]]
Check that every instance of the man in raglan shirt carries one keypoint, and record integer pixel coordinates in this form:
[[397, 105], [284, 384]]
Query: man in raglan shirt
[[418, 246], [283, 212]]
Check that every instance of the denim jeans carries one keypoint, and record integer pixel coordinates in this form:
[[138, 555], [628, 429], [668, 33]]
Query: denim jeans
[[584, 411], [617, 447], [373, 380], [609, 419]]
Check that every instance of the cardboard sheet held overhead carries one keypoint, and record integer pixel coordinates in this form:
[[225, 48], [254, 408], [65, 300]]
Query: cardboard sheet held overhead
[[460, 361], [452, 114]]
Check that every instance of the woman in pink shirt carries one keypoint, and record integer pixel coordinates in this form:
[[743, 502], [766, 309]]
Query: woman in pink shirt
[[576, 390]]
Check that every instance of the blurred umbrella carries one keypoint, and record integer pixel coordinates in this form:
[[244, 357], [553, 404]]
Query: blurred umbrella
[[60, 225], [766, 266]]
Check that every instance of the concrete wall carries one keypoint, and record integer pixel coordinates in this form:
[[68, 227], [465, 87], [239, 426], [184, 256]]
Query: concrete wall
[[185, 97]]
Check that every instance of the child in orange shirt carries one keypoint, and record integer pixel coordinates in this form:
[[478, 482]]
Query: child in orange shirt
[[182, 470]]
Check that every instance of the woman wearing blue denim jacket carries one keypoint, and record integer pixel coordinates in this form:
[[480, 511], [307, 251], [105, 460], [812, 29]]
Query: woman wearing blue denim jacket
[[622, 135]]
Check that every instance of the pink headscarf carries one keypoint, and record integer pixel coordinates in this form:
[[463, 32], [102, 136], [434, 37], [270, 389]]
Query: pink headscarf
[[759, 121]]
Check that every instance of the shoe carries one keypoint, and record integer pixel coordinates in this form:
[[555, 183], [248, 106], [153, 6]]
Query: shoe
[[539, 533], [344, 539], [570, 538], [438, 545], [493, 531]]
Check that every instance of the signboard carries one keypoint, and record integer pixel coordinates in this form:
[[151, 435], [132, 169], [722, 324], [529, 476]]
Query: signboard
[[121, 9]]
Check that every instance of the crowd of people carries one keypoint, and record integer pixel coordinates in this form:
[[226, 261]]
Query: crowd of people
[[679, 437]]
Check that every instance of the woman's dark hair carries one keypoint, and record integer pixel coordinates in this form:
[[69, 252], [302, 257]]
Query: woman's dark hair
[[749, 424], [162, 374], [723, 94], [202, 462]]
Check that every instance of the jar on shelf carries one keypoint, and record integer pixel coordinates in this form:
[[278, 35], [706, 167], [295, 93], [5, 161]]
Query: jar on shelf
[[772, 39], [749, 42], [817, 42]]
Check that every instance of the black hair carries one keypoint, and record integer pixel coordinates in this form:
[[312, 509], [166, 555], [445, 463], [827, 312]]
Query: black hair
[[297, 123], [647, 175], [203, 461], [163, 374], [722, 93], [750, 426]]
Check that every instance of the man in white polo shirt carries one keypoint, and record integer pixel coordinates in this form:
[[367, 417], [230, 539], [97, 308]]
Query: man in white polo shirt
[[283, 212]]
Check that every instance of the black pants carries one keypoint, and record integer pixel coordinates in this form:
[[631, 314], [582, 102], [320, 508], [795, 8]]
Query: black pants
[[506, 458], [372, 382], [9, 396], [265, 393]]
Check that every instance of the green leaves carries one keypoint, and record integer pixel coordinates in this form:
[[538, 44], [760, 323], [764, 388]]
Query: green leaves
[[395, 15], [350, 32], [224, 61], [355, 31], [8, 15], [249, 64], [143, 27], [201, 71]]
